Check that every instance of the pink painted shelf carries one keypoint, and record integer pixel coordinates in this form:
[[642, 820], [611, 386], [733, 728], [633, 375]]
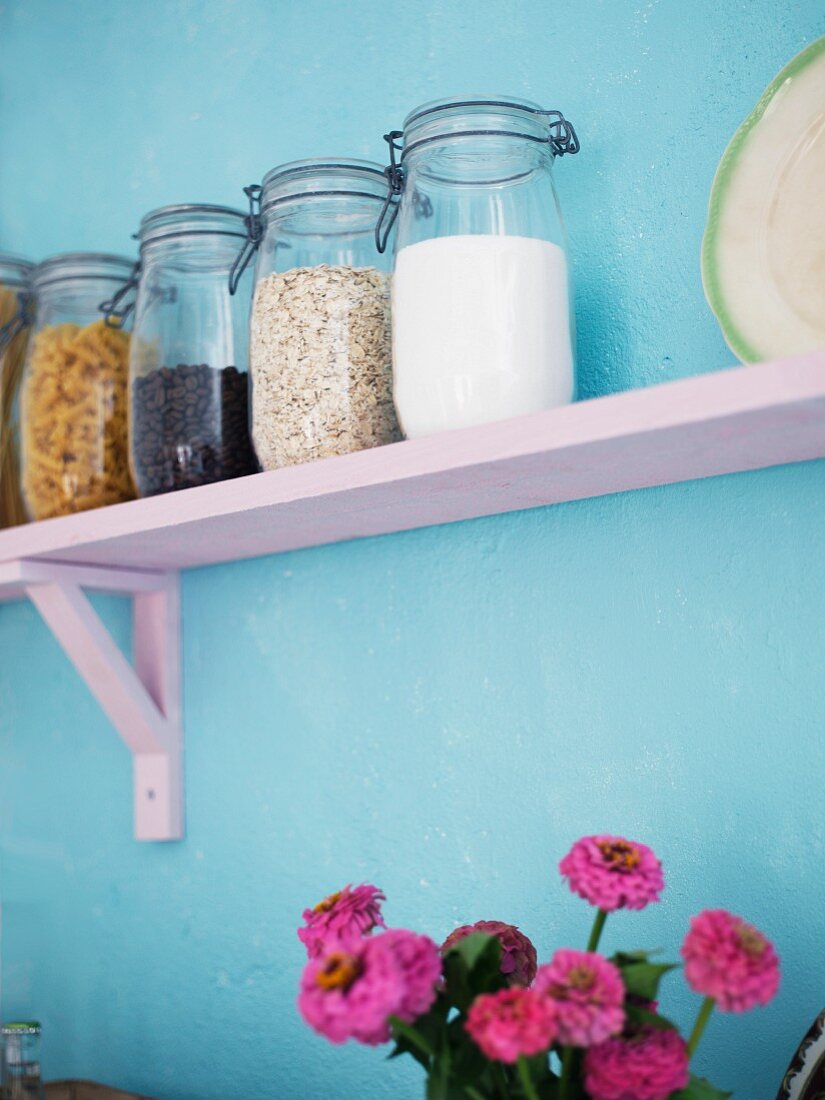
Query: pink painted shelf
[[740, 419], [744, 418]]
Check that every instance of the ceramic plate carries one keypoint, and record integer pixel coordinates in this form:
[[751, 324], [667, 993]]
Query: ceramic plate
[[763, 255]]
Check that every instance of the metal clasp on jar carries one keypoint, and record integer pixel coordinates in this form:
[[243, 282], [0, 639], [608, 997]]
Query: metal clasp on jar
[[113, 315], [23, 317], [561, 138], [395, 185], [254, 235]]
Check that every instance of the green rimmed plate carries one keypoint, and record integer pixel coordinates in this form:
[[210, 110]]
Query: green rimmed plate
[[763, 253]]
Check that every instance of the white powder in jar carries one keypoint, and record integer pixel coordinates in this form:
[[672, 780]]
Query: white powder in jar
[[481, 331]]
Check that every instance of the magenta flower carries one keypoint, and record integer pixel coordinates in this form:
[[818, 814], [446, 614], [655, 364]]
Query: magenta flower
[[420, 963], [518, 956], [589, 995], [340, 917], [613, 873], [650, 1065], [730, 961], [351, 994], [350, 991], [512, 1022]]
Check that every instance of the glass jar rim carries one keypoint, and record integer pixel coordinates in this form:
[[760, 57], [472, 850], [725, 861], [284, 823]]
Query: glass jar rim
[[70, 266], [504, 102], [21, 1027], [476, 115], [321, 177], [191, 219], [15, 271]]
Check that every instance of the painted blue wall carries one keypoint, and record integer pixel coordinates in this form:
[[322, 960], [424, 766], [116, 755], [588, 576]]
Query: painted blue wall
[[441, 712]]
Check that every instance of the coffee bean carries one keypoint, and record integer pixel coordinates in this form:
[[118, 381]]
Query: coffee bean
[[189, 426]]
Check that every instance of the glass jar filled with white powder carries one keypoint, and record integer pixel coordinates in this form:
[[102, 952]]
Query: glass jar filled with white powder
[[320, 357], [482, 322]]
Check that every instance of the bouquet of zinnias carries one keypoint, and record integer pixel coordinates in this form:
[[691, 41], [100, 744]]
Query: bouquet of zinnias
[[487, 1023]]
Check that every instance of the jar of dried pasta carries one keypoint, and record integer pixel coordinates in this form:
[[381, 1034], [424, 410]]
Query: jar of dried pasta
[[320, 355], [75, 453], [15, 321]]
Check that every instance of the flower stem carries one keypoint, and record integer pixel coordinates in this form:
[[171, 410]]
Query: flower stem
[[567, 1061], [500, 1079], [526, 1079], [412, 1036], [596, 932], [473, 1092], [701, 1023]]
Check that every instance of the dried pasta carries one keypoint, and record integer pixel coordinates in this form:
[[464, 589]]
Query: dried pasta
[[12, 510], [74, 416]]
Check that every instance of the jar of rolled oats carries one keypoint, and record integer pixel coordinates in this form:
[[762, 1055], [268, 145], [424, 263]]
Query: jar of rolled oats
[[73, 414], [319, 349]]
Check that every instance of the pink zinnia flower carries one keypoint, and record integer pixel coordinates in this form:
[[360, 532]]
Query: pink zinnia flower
[[613, 873], [650, 1065], [512, 1022], [730, 960], [420, 964], [351, 990], [350, 994], [346, 914], [518, 956], [589, 994]]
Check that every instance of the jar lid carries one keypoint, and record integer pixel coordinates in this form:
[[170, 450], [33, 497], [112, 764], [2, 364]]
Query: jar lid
[[21, 1027], [191, 219], [322, 177], [473, 105], [81, 265], [475, 115], [14, 270]]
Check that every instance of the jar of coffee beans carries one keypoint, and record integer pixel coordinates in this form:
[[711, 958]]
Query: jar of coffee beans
[[188, 418]]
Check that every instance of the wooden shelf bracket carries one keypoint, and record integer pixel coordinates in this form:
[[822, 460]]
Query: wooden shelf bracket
[[143, 701]]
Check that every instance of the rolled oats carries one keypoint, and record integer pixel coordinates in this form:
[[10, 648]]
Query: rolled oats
[[321, 364]]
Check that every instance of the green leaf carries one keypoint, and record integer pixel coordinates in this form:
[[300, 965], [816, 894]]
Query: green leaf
[[472, 1092], [624, 958], [430, 1027], [467, 1060], [438, 1081], [404, 1047], [700, 1089], [472, 948], [540, 1067], [436, 1089], [442, 1084], [638, 1015], [410, 1039], [457, 979], [473, 967], [641, 979]]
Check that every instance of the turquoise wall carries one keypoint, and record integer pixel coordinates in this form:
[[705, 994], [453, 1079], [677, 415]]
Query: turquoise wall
[[441, 712]]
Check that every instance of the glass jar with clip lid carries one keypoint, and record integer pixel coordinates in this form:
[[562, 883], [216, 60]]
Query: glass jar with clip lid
[[16, 307], [482, 322], [320, 357], [73, 395], [20, 1076], [189, 408]]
